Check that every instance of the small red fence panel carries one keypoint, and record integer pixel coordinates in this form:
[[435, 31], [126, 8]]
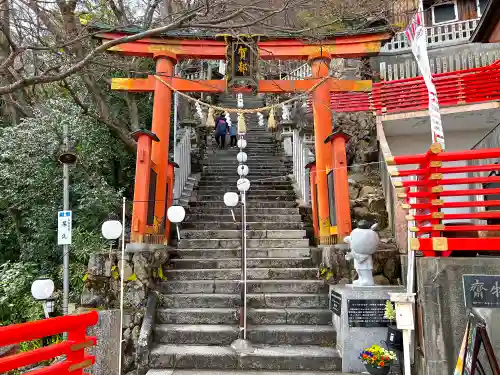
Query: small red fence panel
[[454, 198], [410, 94], [73, 348]]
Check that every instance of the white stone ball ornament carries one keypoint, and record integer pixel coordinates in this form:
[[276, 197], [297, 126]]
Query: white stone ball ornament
[[242, 157], [111, 229], [242, 170], [176, 214], [242, 143], [42, 289], [231, 199], [243, 184]]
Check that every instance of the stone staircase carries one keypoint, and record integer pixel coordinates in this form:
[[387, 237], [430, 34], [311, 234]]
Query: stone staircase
[[197, 319]]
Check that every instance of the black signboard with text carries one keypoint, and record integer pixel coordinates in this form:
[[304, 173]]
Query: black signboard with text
[[243, 54], [481, 291], [336, 303], [366, 313]]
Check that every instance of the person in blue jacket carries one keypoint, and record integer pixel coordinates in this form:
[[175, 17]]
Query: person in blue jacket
[[233, 132], [221, 129]]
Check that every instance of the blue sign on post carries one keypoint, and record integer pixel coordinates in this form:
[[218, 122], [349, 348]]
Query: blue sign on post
[[64, 228]]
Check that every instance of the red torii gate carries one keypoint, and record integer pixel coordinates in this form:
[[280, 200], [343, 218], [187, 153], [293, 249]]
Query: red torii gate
[[168, 50]]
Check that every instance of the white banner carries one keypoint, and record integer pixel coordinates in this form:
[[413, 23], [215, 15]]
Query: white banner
[[417, 37]]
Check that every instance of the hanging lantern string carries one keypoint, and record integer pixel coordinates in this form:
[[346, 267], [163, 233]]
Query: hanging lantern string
[[243, 110]]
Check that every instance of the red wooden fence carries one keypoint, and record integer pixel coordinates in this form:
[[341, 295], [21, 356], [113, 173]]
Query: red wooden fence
[[410, 94], [73, 348], [429, 197]]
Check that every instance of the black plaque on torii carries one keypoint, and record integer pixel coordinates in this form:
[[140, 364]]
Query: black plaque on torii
[[242, 63]]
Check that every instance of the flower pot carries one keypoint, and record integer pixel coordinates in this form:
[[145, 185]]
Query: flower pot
[[394, 340], [377, 370]]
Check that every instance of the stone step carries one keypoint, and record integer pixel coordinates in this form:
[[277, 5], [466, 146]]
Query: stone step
[[236, 253], [211, 170], [232, 177], [286, 186], [287, 300], [250, 204], [264, 357], [303, 316], [256, 166], [236, 234], [199, 334], [207, 218], [230, 225], [255, 156], [217, 243], [253, 196], [200, 300], [268, 290], [198, 315], [292, 335], [255, 162], [250, 210], [260, 185], [238, 372], [235, 273], [236, 263]]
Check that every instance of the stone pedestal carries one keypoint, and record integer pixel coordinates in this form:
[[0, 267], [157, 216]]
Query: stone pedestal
[[352, 340], [107, 331], [441, 309]]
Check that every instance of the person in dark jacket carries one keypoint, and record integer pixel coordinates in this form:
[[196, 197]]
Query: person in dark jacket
[[221, 129]]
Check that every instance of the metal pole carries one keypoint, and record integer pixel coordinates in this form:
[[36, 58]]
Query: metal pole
[[176, 104], [65, 208], [244, 260], [122, 287]]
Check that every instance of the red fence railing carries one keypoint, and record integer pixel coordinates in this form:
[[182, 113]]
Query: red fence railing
[[454, 88], [455, 199], [73, 348]]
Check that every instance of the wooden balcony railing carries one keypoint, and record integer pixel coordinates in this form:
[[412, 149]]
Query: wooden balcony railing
[[437, 36], [453, 198]]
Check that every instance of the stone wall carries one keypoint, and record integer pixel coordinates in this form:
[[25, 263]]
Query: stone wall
[[442, 314], [102, 291]]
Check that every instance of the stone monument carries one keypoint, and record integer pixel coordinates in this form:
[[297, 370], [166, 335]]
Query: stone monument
[[358, 309]]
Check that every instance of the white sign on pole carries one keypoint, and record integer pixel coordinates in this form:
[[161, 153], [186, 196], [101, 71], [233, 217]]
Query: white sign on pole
[[417, 37], [64, 227]]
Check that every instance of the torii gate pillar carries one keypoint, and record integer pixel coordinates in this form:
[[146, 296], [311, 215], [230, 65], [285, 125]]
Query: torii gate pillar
[[162, 104], [320, 66]]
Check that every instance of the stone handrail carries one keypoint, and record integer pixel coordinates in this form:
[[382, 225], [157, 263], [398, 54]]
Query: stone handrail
[[146, 335], [299, 163], [182, 157]]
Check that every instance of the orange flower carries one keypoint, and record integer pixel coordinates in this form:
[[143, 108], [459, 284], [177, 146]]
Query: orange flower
[[381, 364], [364, 356], [374, 357]]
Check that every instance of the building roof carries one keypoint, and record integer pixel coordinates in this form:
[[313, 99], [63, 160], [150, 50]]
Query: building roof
[[487, 23], [187, 33]]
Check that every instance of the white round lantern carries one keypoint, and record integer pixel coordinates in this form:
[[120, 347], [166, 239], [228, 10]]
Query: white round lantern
[[231, 199], [111, 229], [242, 143], [243, 184], [242, 157], [42, 289], [242, 170], [176, 214]]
